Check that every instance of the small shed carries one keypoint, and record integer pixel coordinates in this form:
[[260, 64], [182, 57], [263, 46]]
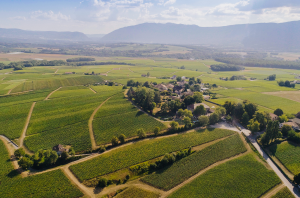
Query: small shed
[[59, 149], [273, 117]]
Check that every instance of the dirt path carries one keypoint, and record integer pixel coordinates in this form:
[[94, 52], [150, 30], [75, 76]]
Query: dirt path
[[26, 125], [93, 90], [47, 98], [94, 145], [9, 92], [87, 191], [56, 71], [273, 191], [3, 78]]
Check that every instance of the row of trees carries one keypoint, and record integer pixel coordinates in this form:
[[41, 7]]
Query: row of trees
[[222, 67], [286, 84], [41, 159]]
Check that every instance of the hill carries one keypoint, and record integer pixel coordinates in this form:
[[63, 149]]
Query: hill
[[263, 35]]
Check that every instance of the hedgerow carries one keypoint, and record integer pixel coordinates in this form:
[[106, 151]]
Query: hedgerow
[[242, 177], [189, 166], [143, 151]]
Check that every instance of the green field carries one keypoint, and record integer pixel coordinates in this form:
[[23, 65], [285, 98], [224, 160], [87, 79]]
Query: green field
[[191, 165], [71, 92], [284, 193], [242, 177], [137, 193], [288, 154], [52, 184], [143, 151]]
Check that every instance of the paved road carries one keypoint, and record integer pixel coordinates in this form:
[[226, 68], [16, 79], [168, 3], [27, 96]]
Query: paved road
[[9, 141], [285, 181]]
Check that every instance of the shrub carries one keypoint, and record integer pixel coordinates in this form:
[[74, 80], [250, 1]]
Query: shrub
[[19, 153], [102, 183], [203, 120], [102, 149], [25, 163], [122, 138], [285, 129], [156, 131], [141, 133], [114, 141]]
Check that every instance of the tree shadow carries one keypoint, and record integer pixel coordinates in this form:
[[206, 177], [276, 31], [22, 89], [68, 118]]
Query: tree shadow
[[273, 149], [98, 190], [13, 173], [139, 113]]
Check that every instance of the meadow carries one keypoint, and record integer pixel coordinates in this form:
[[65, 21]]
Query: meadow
[[52, 184], [137, 193], [191, 165], [284, 193], [241, 177], [288, 154], [143, 151]]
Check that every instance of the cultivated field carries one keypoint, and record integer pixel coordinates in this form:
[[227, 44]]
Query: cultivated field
[[288, 154], [143, 151], [137, 193], [241, 177], [284, 193]]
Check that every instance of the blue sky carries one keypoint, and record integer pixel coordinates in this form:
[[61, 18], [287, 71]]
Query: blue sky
[[104, 16]]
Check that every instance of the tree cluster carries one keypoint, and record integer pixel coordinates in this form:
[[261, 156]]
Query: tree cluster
[[286, 84], [222, 67], [80, 59]]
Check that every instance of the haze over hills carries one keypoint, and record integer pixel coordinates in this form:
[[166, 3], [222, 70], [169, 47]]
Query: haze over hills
[[259, 36]]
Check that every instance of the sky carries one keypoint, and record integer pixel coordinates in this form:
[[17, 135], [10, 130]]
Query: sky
[[105, 16]]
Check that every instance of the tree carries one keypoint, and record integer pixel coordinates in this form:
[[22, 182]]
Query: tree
[[122, 138], [151, 107], [164, 108], [228, 118], [272, 77], [287, 83], [178, 79], [148, 74], [156, 131], [239, 110], [146, 84], [271, 133], [130, 83], [262, 118], [180, 113], [102, 182], [174, 125], [53, 157], [245, 118], [187, 113], [114, 141], [188, 100], [253, 126], [72, 151], [198, 97], [19, 153], [157, 98], [141, 133], [200, 110], [199, 81], [221, 111], [214, 118], [283, 118], [278, 112], [250, 108], [285, 129], [25, 163], [203, 120], [64, 155], [187, 121], [229, 106], [298, 115]]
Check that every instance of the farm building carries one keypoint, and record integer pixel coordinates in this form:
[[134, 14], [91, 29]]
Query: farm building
[[297, 121], [143, 75], [273, 117], [161, 87], [292, 124], [59, 149], [192, 107], [174, 77], [206, 97]]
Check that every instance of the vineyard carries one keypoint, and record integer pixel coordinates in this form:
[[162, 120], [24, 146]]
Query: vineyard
[[137, 193], [55, 82], [71, 92], [284, 193], [52, 184], [242, 177], [288, 154], [189, 166], [12, 119], [143, 151], [118, 116]]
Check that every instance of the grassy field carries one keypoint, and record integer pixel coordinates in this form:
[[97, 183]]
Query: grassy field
[[284, 193], [189, 166], [12, 119], [143, 151], [137, 193], [241, 177], [118, 116], [52, 184], [288, 154]]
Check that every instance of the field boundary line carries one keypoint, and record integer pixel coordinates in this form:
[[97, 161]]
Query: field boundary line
[[93, 90], [56, 71], [273, 191], [8, 92], [47, 98], [3, 78], [26, 125], [167, 193], [85, 190], [92, 135]]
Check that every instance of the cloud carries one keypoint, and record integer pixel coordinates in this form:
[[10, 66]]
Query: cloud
[[18, 18], [50, 15], [263, 4], [165, 3]]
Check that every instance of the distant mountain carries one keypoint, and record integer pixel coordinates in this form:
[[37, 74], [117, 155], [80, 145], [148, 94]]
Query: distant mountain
[[259, 36], [9, 34], [95, 36]]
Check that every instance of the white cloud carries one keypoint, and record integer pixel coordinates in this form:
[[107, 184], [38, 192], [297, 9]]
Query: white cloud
[[50, 15], [18, 18]]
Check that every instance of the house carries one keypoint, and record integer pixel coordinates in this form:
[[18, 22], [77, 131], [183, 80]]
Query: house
[[161, 87], [192, 107], [144, 75], [204, 89], [297, 121], [292, 124], [184, 78], [59, 149], [68, 72], [297, 82], [170, 86], [206, 97], [273, 117], [174, 77]]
